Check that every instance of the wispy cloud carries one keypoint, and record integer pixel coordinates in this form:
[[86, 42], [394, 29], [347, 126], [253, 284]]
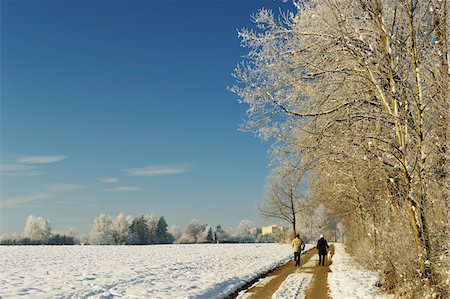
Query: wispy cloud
[[18, 200], [19, 170], [23, 174], [124, 189], [40, 159], [108, 180], [62, 187], [15, 167], [156, 170]]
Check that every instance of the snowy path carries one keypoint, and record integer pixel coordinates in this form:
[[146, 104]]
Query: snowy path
[[344, 277], [293, 284]]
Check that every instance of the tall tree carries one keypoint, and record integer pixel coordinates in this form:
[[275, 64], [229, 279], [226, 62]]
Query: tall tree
[[138, 232], [356, 88], [160, 235]]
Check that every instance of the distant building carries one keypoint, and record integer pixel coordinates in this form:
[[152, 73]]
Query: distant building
[[272, 229]]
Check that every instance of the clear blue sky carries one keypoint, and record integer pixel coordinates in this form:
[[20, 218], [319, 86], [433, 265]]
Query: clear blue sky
[[122, 106]]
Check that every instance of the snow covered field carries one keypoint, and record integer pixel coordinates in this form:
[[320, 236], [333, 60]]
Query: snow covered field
[[163, 271]]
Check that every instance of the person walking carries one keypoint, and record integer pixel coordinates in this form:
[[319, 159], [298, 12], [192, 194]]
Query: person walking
[[322, 246], [298, 246]]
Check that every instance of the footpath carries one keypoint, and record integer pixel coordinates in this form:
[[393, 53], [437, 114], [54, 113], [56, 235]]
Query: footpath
[[317, 289]]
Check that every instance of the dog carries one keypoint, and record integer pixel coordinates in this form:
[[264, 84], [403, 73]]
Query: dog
[[330, 255]]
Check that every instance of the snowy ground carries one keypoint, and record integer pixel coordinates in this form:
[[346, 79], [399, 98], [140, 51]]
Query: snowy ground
[[296, 284], [166, 271], [293, 287], [348, 280]]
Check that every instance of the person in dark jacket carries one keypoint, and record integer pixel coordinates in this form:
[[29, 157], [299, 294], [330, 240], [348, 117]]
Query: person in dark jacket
[[322, 246]]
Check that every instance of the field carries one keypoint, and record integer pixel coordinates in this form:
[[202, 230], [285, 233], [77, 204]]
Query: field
[[160, 271]]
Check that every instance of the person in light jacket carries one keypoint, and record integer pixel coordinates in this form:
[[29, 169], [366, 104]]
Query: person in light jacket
[[298, 246], [322, 246]]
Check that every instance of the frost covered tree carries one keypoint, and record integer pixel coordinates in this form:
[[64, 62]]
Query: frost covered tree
[[245, 232], [174, 230], [358, 91], [220, 235], [37, 228], [314, 220], [138, 232], [120, 227], [192, 232], [206, 235], [151, 221], [161, 235], [101, 231]]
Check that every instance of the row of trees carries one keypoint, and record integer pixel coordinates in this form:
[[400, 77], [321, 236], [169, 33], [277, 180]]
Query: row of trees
[[129, 230], [355, 95], [142, 230], [38, 231], [147, 229]]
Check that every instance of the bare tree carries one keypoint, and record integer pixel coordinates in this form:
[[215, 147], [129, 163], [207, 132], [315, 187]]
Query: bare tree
[[283, 196]]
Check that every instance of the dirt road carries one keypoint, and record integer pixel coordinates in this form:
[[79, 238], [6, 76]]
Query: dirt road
[[318, 288]]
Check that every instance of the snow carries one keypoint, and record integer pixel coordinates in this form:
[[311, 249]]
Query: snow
[[294, 286], [162, 271], [348, 280], [166, 271]]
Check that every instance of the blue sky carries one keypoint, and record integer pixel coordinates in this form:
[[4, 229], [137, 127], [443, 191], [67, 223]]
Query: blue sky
[[122, 106]]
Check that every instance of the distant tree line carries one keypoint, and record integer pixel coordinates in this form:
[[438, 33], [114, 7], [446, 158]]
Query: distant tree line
[[39, 232], [141, 230]]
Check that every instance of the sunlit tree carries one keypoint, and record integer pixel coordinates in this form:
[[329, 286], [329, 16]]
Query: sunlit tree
[[358, 92], [37, 228]]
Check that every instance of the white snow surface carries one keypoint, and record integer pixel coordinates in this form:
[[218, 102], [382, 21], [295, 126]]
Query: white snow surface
[[348, 280], [155, 271], [294, 286]]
